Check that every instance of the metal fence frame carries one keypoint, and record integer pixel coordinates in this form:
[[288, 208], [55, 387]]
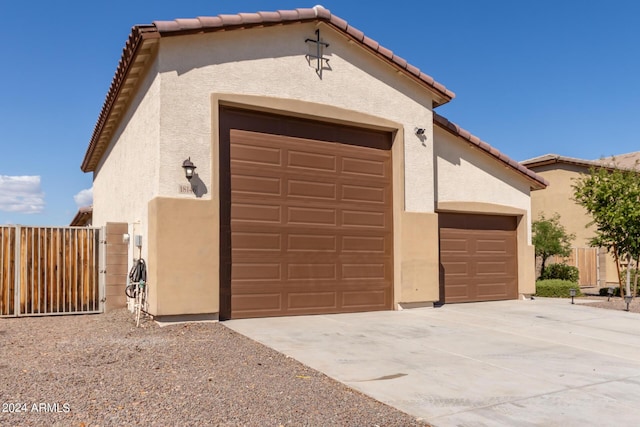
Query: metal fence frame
[[56, 271]]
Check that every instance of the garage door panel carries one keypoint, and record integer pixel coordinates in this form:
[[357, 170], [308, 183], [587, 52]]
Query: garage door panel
[[452, 246], [460, 268], [257, 303], [491, 247], [311, 243], [364, 244], [458, 293], [243, 212], [361, 193], [354, 218], [312, 189], [311, 271], [501, 268], [312, 300], [251, 184], [254, 271], [297, 215], [257, 241], [478, 254], [253, 154], [363, 271], [358, 166], [312, 161], [496, 290], [366, 299]]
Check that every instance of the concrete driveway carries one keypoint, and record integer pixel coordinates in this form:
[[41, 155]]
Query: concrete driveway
[[508, 363]]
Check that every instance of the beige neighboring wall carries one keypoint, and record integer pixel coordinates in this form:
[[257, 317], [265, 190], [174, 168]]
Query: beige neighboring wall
[[183, 261], [557, 198], [467, 178]]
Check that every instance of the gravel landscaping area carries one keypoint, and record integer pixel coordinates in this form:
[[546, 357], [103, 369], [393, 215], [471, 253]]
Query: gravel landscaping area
[[100, 370], [616, 303]]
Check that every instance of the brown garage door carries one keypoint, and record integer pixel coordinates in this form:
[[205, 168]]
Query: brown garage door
[[310, 221], [478, 257]]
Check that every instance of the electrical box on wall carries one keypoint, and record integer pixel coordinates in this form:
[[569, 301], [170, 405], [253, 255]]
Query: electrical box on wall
[[138, 240]]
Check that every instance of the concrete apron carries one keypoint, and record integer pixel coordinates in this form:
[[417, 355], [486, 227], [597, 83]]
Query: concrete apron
[[506, 363]]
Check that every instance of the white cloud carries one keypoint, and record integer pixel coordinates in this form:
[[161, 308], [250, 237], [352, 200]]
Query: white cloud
[[21, 194], [84, 197]]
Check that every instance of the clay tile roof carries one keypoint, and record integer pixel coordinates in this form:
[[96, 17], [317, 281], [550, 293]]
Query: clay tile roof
[[536, 180], [83, 217], [140, 34], [627, 160], [622, 161], [548, 159]]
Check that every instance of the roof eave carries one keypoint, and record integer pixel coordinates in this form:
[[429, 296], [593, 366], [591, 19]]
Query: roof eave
[[536, 181], [140, 39], [144, 35]]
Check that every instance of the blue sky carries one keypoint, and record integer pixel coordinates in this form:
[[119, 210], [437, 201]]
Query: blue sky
[[530, 77]]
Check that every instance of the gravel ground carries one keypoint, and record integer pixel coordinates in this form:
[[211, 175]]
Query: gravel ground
[[100, 370], [616, 303]]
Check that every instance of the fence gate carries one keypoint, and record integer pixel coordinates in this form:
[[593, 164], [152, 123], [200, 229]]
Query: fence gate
[[49, 270], [586, 260]]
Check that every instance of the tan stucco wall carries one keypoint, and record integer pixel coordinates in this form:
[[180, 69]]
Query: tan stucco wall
[[557, 198], [193, 67], [183, 261], [419, 262], [464, 173], [123, 185]]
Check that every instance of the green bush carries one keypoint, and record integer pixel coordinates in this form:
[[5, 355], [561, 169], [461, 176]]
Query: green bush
[[561, 272], [556, 288]]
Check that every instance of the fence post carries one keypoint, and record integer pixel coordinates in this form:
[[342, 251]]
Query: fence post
[[17, 264], [102, 266]]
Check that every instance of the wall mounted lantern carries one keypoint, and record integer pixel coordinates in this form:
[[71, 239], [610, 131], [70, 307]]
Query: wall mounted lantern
[[189, 168], [420, 131]]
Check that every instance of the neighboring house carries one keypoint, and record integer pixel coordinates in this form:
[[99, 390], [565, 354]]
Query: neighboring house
[[597, 268], [83, 217], [325, 182]]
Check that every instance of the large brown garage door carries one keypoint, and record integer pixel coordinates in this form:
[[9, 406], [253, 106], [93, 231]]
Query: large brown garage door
[[478, 257], [310, 219]]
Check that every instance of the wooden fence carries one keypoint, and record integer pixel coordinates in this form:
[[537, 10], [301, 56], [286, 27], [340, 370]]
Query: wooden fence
[[49, 270], [586, 259]]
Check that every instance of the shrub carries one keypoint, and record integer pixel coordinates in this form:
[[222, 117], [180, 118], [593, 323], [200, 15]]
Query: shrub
[[561, 272], [556, 288], [604, 292]]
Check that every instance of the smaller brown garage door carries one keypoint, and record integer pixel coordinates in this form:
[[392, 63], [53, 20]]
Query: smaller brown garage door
[[478, 257]]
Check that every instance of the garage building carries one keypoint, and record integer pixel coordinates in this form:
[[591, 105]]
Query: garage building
[[324, 182]]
